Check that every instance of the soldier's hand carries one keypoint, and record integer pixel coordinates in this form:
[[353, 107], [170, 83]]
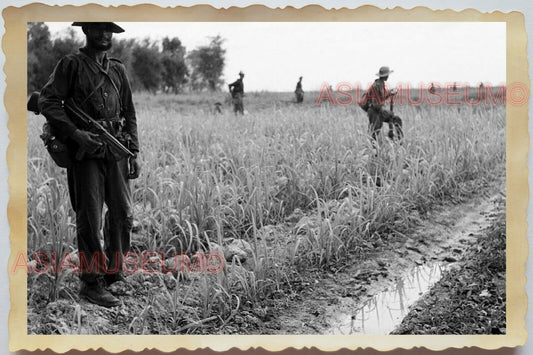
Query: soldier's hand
[[134, 169], [87, 141]]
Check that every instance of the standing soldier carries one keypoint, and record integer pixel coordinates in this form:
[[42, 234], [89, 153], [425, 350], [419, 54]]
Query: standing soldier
[[373, 103], [237, 92], [481, 93], [299, 91], [99, 86]]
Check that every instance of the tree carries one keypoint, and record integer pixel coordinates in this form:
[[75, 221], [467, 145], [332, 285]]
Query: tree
[[175, 70], [123, 50], [207, 63], [41, 59], [66, 45], [146, 64]]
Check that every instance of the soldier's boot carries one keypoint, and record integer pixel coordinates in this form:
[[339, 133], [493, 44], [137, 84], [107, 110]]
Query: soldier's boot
[[96, 293], [112, 278]]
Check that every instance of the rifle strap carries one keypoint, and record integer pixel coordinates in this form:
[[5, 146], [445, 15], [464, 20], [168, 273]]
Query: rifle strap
[[110, 124], [105, 75], [95, 88]]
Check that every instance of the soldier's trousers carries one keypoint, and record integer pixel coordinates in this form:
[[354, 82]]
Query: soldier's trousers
[[238, 105], [299, 96], [93, 182], [376, 117]]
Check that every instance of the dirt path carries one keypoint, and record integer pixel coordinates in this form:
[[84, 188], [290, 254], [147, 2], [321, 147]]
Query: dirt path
[[372, 296]]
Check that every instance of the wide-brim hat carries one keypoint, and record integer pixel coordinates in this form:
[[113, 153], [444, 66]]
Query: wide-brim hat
[[113, 27], [384, 71]]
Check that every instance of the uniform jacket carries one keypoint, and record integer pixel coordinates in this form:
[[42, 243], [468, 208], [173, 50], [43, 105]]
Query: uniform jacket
[[76, 76], [238, 86], [299, 87], [377, 93]]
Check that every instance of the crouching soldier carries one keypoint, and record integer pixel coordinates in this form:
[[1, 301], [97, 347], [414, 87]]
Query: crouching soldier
[[373, 103], [98, 85]]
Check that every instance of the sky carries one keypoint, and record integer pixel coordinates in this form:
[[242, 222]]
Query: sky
[[274, 54]]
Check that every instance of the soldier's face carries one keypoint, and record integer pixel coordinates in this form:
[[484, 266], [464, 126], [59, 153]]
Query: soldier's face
[[99, 37]]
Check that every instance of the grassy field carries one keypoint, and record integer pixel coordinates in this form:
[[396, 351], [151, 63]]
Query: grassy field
[[209, 177]]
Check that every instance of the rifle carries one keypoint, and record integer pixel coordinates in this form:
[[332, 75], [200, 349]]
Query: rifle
[[391, 107], [81, 118], [393, 93]]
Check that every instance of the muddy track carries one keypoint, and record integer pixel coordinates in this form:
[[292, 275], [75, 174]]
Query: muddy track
[[373, 296], [362, 296]]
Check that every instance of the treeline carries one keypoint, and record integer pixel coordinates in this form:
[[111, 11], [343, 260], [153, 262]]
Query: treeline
[[152, 66]]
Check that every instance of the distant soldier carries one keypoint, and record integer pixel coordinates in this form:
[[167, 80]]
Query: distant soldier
[[237, 92], [373, 103], [481, 91], [299, 91], [432, 89], [454, 89]]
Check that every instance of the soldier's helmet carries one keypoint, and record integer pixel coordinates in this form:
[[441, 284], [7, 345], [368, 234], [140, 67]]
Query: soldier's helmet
[[111, 26], [241, 73], [384, 71]]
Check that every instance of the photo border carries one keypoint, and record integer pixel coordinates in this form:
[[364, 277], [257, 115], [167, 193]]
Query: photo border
[[517, 145]]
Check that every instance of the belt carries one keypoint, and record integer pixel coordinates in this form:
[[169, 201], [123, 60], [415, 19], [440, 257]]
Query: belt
[[110, 119], [112, 124]]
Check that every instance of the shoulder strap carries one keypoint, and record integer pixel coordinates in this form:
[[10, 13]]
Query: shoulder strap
[[115, 87], [100, 83]]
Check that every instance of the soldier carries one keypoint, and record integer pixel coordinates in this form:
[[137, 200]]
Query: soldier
[[299, 91], [373, 102], [99, 86], [237, 92]]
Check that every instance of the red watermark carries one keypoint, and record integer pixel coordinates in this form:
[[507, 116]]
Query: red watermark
[[148, 262], [451, 94]]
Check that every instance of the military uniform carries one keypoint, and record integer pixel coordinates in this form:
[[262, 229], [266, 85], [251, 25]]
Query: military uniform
[[237, 93], [103, 92], [374, 101]]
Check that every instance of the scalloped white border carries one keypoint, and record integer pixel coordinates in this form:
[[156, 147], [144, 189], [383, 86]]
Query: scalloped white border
[[486, 6]]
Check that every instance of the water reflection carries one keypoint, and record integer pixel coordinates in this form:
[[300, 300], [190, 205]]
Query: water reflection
[[385, 311]]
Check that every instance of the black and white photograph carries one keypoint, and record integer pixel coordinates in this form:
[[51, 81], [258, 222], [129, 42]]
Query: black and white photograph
[[266, 178]]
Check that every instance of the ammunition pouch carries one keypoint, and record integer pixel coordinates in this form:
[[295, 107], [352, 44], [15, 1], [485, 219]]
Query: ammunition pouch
[[57, 149]]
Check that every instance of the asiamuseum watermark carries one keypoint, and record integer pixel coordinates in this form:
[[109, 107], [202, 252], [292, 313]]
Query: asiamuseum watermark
[[149, 262], [451, 94]]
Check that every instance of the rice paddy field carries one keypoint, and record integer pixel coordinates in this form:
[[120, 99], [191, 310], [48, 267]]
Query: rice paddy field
[[288, 194]]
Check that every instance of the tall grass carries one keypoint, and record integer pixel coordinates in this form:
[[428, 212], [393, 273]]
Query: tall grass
[[208, 177]]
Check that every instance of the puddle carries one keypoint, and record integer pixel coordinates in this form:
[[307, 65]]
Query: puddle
[[385, 311]]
